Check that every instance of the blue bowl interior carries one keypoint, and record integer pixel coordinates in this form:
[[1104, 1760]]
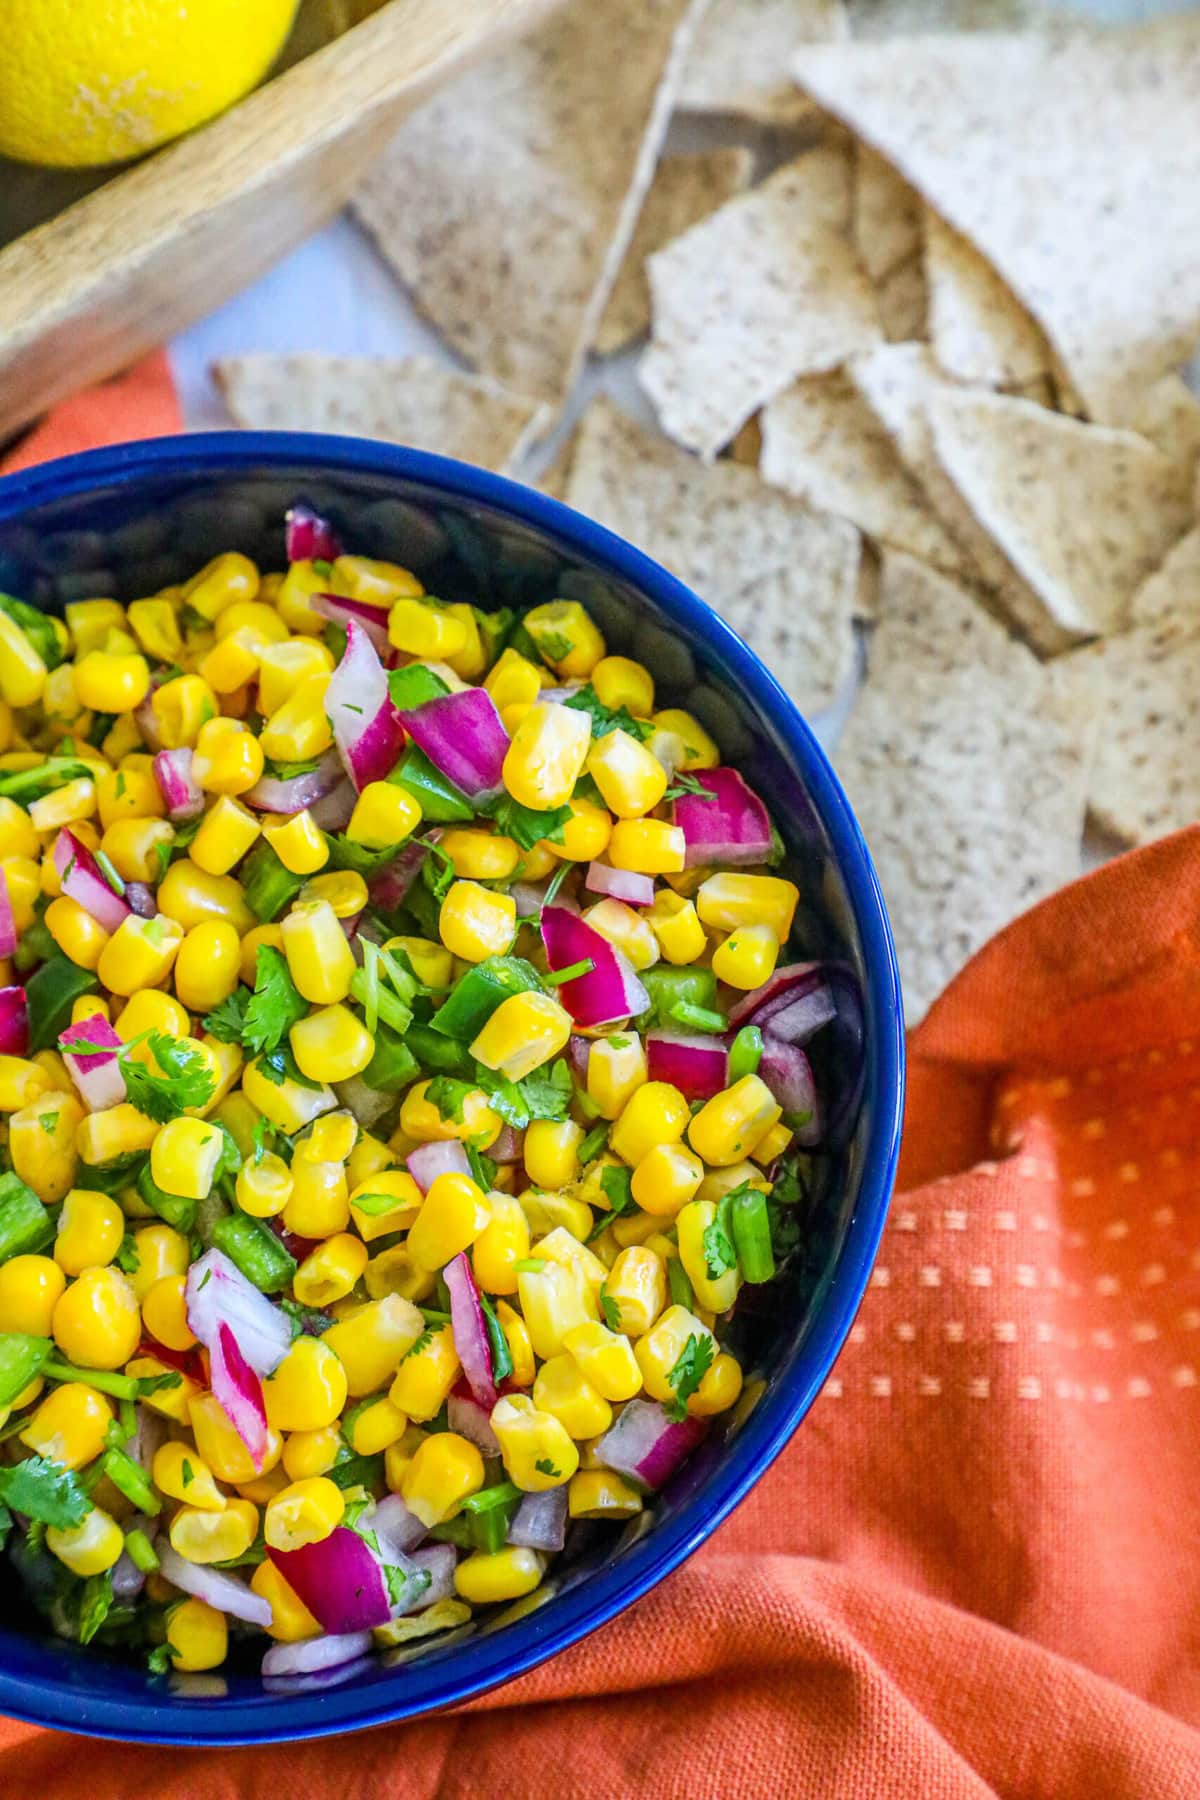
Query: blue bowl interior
[[126, 522]]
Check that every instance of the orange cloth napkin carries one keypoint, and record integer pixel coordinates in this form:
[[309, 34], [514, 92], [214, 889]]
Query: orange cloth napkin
[[975, 1570]]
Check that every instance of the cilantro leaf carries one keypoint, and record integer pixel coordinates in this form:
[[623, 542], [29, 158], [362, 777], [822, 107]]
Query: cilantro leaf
[[688, 1371], [227, 1021], [160, 1660], [617, 1184], [447, 1094], [611, 1309], [279, 1065], [719, 1254], [184, 1080], [276, 1003], [688, 784], [527, 827], [548, 1092], [44, 1490], [553, 646], [405, 1585], [95, 1604], [49, 1122], [306, 1321], [422, 1343], [606, 718], [414, 686], [127, 1257], [544, 1466]]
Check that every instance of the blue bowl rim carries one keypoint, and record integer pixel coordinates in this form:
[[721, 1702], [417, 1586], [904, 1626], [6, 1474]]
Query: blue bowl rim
[[484, 1662]]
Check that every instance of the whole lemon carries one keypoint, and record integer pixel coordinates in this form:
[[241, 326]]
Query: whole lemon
[[87, 82]]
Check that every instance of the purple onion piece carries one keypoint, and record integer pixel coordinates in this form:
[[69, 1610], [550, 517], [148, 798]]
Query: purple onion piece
[[308, 536], [540, 1521], [329, 1651]]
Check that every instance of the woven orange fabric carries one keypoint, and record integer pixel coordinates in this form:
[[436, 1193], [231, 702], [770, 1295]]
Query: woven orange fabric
[[141, 403], [974, 1572]]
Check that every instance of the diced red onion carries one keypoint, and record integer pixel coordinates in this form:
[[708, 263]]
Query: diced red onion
[[508, 1147], [646, 1445], [8, 924], [694, 1063], [308, 537], [217, 1292], [339, 1580], [96, 1074], [462, 736], [439, 1559], [794, 1004], [238, 1392], [344, 611], [332, 812], [147, 724], [471, 1421], [329, 1651], [14, 1020], [367, 729], [470, 1330], [150, 1433], [219, 1589], [79, 873], [560, 695], [389, 886], [141, 899], [619, 884], [320, 1681], [611, 991], [397, 1529], [579, 1051], [732, 829], [127, 1579], [292, 796], [428, 1161], [540, 1522], [179, 788], [527, 896], [788, 1073]]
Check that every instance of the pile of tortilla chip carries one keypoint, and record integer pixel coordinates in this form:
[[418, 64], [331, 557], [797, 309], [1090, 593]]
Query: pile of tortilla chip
[[913, 327]]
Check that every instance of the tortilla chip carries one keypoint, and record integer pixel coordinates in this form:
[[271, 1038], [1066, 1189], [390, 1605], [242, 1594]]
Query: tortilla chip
[[685, 190], [967, 767], [904, 302], [746, 447], [822, 443], [887, 215], [1083, 512], [1173, 591], [899, 383], [1100, 241], [739, 63], [556, 474], [980, 333], [408, 400], [507, 202], [765, 290], [783, 577], [1145, 685], [1168, 413]]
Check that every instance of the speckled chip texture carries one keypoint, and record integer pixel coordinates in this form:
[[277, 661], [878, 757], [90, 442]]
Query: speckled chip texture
[[739, 63], [822, 443], [1070, 159], [904, 302], [403, 400], [766, 289], [887, 226], [979, 331], [1145, 687], [685, 190], [967, 763], [507, 203], [785, 578], [1083, 512], [1173, 591]]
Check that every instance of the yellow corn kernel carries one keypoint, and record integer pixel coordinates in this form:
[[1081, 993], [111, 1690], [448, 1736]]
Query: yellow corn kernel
[[21, 1082], [719, 1389], [302, 580], [197, 1636], [172, 1402], [112, 683], [291, 1621], [299, 729], [375, 1425], [41, 1144], [70, 1424], [17, 835], [520, 1347], [626, 928], [283, 666], [97, 1322], [563, 1247], [666, 1178], [729, 1126], [566, 637], [133, 847], [225, 581], [232, 661], [320, 961], [67, 805], [714, 1284], [585, 834], [190, 894], [545, 1212], [226, 833], [537, 1450], [431, 963], [330, 1271], [23, 879], [385, 1201], [476, 922], [207, 965], [258, 615], [525, 1031], [150, 1011], [286, 1104], [547, 755], [200, 1535], [262, 1488], [319, 1203], [607, 1361], [90, 1228], [771, 1146], [503, 1242], [103, 1136], [444, 1471], [551, 1152], [124, 737], [298, 842], [156, 629], [128, 793], [719, 1182], [656, 1113], [227, 759], [453, 1214], [394, 1272], [52, 1065], [397, 1456], [308, 1389], [480, 855], [747, 957], [332, 1137], [90, 1547], [647, 846], [729, 901], [423, 1123], [378, 583], [554, 1299], [618, 682], [221, 1447], [659, 1349], [636, 1286], [426, 1375], [30, 1289], [631, 780], [184, 1157], [304, 1513], [616, 1071], [345, 891], [264, 1186], [371, 1341], [164, 1313], [311, 1452], [161, 1251], [90, 621], [486, 1576], [563, 1390], [676, 925], [331, 1044], [181, 1473], [702, 752], [89, 1006], [537, 863], [513, 681], [224, 1063], [181, 707], [602, 1494]]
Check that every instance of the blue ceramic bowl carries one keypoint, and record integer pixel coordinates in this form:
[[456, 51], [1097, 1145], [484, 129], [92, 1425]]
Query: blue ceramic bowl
[[128, 521]]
